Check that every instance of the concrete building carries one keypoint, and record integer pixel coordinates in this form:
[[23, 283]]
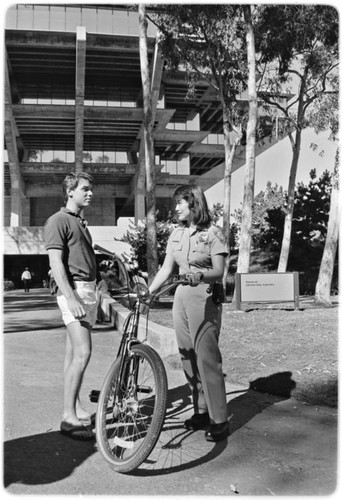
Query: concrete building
[[73, 101]]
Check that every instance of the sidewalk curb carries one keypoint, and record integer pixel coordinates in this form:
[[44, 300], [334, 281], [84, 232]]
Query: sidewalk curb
[[161, 338]]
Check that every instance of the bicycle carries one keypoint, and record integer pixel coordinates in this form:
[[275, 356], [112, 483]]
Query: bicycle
[[132, 401]]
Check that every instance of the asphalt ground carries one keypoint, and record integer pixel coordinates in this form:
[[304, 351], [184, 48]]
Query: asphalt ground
[[276, 446]]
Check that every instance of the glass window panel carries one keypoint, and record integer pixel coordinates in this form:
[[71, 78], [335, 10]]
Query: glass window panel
[[194, 123], [161, 103], [46, 156], [11, 18], [184, 166], [25, 17], [110, 156], [172, 167], [87, 156], [221, 139], [41, 18], [105, 21], [100, 103], [5, 155], [121, 157], [26, 100], [180, 126], [73, 18], [70, 156], [89, 19], [120, 22], [58, 156], [57, 18]]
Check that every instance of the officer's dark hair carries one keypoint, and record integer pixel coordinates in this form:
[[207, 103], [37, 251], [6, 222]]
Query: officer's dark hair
[[71, 181], [198, 205]]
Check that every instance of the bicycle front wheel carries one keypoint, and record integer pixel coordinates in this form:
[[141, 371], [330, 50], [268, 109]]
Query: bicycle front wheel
[[131, 409]]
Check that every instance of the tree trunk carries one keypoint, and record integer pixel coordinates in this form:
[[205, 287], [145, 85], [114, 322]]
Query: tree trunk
[[248, 197], [152, 254], [227, 188], [286, 241], [323, 285]]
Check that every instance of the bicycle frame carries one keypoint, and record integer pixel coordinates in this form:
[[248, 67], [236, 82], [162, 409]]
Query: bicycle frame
[[130, 327]]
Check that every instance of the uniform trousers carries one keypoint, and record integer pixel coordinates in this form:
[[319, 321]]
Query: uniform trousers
[[197, 322]]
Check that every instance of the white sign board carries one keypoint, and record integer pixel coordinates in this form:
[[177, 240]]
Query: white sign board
[[267, 287]]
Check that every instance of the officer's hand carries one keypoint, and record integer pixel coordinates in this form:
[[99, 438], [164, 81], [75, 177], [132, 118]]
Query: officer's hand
[[194, 279]]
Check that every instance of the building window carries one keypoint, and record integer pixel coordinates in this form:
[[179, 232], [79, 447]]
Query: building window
[[176, 167], [57, 18]]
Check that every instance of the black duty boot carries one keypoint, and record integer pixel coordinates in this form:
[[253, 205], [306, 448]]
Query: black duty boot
[[217, 432], [197, 421]]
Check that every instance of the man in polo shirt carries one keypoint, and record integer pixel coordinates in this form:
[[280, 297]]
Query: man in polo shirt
[[73, 266]]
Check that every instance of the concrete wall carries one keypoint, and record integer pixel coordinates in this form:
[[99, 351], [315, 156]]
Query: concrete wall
[[30, 240]]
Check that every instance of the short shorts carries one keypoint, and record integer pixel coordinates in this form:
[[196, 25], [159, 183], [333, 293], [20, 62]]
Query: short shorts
[[88, 295]]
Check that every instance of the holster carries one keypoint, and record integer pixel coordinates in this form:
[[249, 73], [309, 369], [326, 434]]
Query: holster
[[218, 293]]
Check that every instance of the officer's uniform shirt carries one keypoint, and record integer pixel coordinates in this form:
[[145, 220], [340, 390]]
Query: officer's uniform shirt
[[193, 248]]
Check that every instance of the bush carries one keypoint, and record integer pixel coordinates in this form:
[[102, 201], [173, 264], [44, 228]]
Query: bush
[[136, 237], [8, 285]]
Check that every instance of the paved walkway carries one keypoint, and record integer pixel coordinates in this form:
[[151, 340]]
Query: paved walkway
[[276, 447]]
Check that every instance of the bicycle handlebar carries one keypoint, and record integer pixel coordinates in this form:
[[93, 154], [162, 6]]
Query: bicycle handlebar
[[165, 288]]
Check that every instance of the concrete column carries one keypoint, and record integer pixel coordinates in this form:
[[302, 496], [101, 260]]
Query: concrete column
[[17, 185], [79, 96]]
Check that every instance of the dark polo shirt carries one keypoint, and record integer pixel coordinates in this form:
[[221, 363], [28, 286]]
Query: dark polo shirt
[[64, 231]]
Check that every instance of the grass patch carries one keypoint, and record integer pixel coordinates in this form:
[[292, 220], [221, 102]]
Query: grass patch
[[278, 351]]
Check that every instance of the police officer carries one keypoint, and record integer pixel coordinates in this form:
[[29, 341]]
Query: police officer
[[199, 250]]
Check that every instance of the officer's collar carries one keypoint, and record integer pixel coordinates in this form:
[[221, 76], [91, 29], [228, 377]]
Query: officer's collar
[[193, 230]]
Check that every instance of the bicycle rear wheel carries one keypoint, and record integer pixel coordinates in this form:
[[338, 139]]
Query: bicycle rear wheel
[[130, 417]]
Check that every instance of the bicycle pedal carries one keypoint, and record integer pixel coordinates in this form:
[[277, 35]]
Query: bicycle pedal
[[94, 396]]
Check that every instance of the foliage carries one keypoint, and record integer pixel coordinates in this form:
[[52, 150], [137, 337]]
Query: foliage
[[216, 214], [208, 43], [8, 285], [136, 237], [311, 211], [268, 218]]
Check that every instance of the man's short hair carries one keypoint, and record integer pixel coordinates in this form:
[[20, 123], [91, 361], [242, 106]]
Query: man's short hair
[[71, 181]]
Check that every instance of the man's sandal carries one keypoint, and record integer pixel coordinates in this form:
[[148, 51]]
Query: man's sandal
[[79, 432]]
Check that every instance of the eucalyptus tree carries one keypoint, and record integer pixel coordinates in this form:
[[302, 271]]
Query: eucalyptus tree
[[209, 43], [248, 195], [325, 115], [298, 53], [149, 157]]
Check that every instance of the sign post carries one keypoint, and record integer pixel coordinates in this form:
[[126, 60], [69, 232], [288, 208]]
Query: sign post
[[267, 287]]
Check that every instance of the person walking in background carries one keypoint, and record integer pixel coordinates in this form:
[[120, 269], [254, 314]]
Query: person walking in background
[[198, 249], [73, 265], [26, 277]]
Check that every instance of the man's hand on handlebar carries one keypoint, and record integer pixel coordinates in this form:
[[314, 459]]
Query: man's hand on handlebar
[[194, 279]]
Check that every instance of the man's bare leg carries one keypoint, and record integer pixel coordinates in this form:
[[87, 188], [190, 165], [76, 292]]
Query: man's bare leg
[[78, 351]]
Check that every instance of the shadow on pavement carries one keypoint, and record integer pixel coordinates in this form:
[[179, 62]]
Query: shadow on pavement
[[43, 458], [179, 449]]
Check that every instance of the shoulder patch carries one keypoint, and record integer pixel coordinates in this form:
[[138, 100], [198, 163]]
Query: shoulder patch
[[218, 233]]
